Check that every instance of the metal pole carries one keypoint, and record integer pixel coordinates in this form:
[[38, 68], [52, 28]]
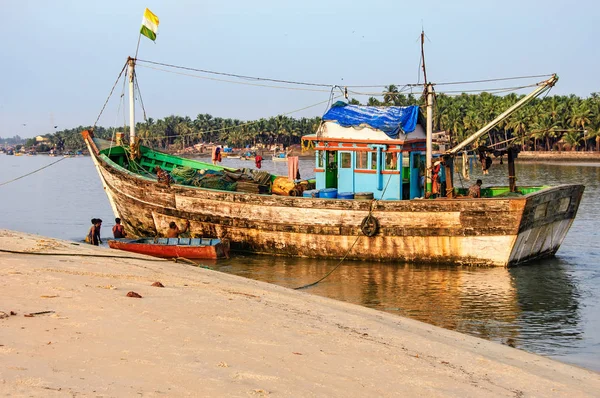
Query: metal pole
[[429, 145], [130, 68], [512, 178]]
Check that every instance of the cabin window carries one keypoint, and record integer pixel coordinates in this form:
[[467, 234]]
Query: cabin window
[[362, 159], [417, 162], [320, 156], [373, 160], [345, 160], [331, 160], [405, 162], [405, 167], [391, 161]]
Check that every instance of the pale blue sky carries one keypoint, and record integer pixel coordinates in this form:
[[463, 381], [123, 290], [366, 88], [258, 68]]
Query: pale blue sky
[[60, 58]]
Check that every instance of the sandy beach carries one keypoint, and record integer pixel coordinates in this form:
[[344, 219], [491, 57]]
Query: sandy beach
[[74, 331]]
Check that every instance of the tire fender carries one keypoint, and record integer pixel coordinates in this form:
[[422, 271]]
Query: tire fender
[[369, 226]]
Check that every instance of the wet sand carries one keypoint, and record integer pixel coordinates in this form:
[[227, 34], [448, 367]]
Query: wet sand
[[211, 334]]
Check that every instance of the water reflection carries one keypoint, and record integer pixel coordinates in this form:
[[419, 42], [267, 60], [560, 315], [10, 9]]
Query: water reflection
[[549, 315], [534, 308]]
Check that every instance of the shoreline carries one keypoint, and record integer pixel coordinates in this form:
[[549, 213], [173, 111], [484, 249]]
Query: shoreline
[[208, 333], [559, 157]]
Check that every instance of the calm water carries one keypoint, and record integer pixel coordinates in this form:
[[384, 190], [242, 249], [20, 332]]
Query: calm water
[[551, 307]]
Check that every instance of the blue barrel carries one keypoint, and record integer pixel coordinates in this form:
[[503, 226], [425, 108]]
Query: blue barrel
[[330, 193], [311, 193], [345, 195]]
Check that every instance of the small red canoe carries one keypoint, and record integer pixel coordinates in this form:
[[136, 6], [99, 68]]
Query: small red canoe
[[191, 248]]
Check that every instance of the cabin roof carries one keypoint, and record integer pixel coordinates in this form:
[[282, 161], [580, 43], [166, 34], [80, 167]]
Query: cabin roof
[[392, 120]]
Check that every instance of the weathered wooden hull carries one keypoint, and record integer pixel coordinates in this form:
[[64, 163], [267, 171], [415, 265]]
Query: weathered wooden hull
[[213, 251], [488, 231]]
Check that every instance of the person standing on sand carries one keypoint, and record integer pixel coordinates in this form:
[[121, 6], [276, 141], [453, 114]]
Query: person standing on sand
[[118, 229], [174, 231], [94, 233]]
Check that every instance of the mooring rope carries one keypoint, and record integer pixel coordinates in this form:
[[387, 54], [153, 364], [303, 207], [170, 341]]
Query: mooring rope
[[351, 247], [177, 259], [28, 174]]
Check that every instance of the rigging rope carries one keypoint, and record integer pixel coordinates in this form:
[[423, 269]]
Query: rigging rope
[[494, 80], [489, 90], [35, 171], [248, 123], [234, 82], [109, 95], [237, 76], [329, 85]]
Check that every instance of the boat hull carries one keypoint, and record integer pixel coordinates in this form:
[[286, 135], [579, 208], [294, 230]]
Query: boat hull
[[173, 250], [487, 231]]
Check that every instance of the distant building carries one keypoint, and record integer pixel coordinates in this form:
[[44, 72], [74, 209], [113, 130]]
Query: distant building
[[441, 138], [40, 139]]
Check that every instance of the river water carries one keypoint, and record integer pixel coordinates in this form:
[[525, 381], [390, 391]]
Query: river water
[[550, 307]]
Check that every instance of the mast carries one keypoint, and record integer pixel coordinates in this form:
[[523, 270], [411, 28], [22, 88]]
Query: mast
[[131, 71], [429, 138], [429, 145]]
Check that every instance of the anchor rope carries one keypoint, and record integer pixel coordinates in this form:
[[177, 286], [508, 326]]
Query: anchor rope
[[351, 247], [28, 174]]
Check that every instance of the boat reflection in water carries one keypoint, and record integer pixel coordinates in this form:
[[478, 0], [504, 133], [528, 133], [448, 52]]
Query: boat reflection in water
[[527, 307]]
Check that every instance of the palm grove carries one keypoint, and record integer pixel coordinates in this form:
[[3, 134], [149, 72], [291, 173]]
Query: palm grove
[[550, 123]]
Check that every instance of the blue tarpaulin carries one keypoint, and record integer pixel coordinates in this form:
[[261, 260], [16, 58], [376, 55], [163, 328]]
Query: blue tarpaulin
[[390, 119]]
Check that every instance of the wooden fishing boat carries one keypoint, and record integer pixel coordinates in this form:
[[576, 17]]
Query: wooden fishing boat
[[191, 248], [361, 152]]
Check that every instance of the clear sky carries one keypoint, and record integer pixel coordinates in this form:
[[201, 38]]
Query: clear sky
[[59, 59]]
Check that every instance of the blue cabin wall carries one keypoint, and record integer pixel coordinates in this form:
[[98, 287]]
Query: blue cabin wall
[[382, 185]]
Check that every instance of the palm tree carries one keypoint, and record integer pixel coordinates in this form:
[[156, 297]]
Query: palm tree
[[580, 117], [373, 102], [390, 95], [573, 139]]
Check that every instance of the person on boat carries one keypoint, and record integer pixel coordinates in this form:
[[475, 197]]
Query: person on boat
[[475, 189], [488, 164], [174, 231], [258, 161], [94, 233], [216, 154], [118, 229], [162, 176], [435, 178]]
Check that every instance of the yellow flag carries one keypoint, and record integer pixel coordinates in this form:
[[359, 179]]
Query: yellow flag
[[149, 25]]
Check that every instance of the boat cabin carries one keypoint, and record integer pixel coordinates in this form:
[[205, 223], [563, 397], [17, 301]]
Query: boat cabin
[[368, 149]]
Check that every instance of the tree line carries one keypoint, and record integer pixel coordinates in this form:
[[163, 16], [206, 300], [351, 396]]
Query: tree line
[[557, 122], [550, 123]]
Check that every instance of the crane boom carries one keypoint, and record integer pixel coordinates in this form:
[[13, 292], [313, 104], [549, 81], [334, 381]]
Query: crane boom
[[542, 86]]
